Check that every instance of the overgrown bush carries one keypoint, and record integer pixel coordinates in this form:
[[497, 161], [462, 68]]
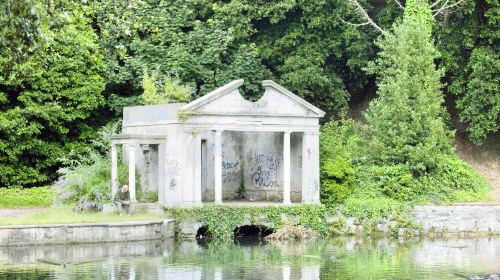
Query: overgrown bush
[[88, 185], [338, 146], [50, 87], [365, 207], [86, 181], [350, 179]]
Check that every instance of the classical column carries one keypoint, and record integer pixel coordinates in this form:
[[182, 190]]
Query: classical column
[[161, 173], [306, 159], [114, 171], [218, 167], [197, 169], [131, 172], [315, 168], [286, 168]]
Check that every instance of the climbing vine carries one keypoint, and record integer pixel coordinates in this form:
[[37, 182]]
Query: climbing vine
[[222, 220], [183, 116]]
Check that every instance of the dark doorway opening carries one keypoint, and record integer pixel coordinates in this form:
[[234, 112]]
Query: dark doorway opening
[[252, 232]]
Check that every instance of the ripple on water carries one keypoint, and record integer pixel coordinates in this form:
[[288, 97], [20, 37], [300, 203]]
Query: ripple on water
[[338, 258]]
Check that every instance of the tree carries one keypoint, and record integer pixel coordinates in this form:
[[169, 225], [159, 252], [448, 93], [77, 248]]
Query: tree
[[406, 122], [50, 84], [181, 38], [167, 90], [469, 42], [461, 28], [301, 44]]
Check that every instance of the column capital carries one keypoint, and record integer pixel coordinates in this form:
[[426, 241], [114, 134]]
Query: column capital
[[130, 146]]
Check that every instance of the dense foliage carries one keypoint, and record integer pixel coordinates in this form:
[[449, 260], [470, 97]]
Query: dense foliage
[[50, 86], [68, 67], [468, 39], [406, 122], [300, 44], [403, 154]]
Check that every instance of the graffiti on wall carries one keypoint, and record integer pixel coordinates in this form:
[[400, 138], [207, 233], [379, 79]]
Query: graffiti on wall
[[266, 169], [230, 171], [172, 169], [313, 189]]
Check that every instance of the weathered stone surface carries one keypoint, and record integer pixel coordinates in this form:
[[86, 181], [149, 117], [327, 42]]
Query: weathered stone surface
[[458, 219], [83, 252], [188, 229], [85, 233]]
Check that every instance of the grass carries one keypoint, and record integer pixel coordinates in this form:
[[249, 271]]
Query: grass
[[62, 215], [32, 197]]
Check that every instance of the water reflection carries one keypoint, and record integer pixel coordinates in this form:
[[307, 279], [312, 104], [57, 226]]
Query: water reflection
[[338, 258]]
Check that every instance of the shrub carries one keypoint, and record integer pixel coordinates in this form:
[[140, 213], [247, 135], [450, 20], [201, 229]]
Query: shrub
[[370, 208], [151, 197], [338, 144], [368, 190], [86, 181]]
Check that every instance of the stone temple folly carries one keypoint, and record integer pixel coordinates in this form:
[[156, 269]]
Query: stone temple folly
[[223, 148]]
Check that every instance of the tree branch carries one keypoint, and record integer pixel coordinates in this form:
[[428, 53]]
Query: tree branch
[[445, 7], [435, 3], [400, 5], [353, 24], [365, 14]]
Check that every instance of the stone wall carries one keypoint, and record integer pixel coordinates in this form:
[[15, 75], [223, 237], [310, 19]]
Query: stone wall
[[253, 160], [85, 233], [458, 219], [15, 255]]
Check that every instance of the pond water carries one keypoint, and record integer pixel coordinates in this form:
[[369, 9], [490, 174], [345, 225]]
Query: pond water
[[337, 258]]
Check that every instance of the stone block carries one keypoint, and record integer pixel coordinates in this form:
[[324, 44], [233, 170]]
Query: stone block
[[109, 208], [188, 229]]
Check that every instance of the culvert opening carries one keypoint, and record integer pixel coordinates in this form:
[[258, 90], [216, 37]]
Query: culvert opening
[[252, 232], [203, 233]]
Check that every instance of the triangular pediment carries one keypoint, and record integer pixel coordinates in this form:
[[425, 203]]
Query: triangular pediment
[[276, 101]]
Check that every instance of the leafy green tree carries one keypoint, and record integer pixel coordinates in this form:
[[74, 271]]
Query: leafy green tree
[[171, 90], [179, 37], [303, 45], [406, 122], [479, 101], [50, 84], [469, 38]]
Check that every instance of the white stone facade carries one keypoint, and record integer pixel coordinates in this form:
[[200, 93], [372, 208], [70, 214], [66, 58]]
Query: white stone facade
[[222, 147]]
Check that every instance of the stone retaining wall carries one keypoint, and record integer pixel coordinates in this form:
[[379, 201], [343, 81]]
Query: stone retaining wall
[[458, 219], [85, 232]]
